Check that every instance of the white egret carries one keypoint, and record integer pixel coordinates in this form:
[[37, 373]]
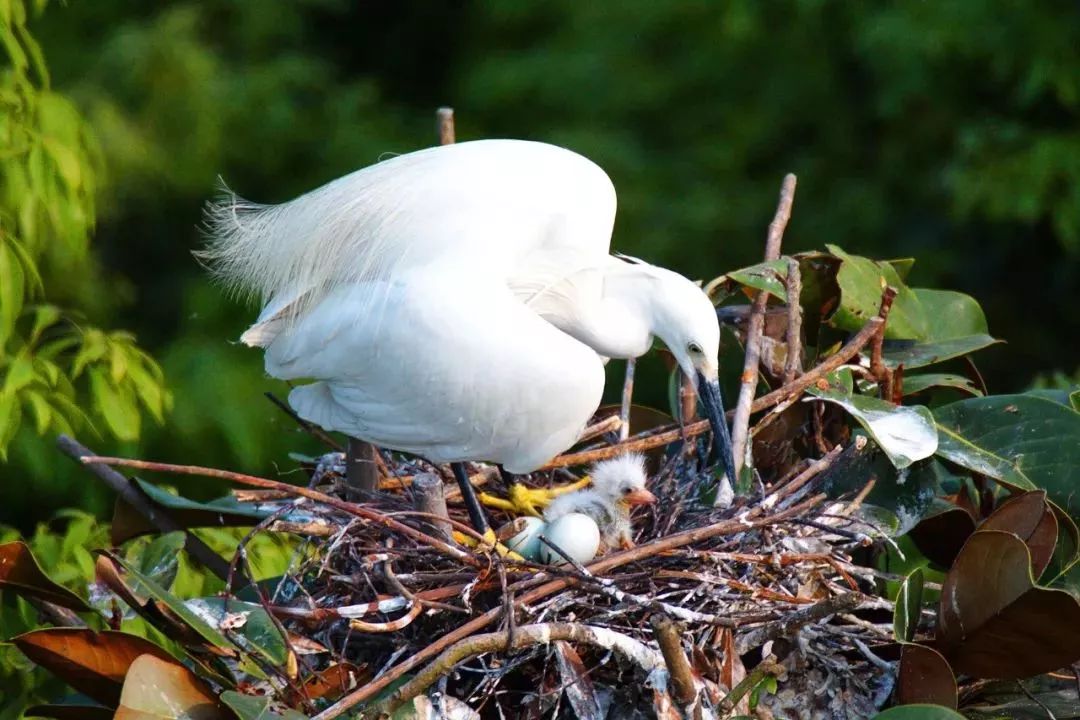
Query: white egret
[[459, 303]]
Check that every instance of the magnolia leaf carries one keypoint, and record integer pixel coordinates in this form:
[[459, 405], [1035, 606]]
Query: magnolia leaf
[[128, 523], [93, 663], [576, 683], [993, 622], [918, 383], [1022, 441], [768, 276], [1030, 518], [20, 573], [908, 607], [248, 624], [924, 676], [157, 689], [905, 434], [930, 353], [861, 281], [248, 707]]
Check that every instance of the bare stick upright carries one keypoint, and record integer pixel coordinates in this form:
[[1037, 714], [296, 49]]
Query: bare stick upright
[[740, 425], [361, 472], [429, 497], [444, 125]]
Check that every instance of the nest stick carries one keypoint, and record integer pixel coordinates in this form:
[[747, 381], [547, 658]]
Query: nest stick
[[158, 517], [740, 424], [793, 363], [790, 390]]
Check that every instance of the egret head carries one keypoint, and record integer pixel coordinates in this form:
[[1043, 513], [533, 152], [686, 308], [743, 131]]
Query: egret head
[[621, 480], [685, 320]]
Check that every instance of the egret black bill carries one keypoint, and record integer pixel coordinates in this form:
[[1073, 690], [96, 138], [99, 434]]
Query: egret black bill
[[713, 403]]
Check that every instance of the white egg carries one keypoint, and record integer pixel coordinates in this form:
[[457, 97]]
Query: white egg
[[526, 542], [576, 534]]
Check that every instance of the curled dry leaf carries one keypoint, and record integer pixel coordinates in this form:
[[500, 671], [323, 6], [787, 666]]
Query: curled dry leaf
[[20, 573], [157, 689], [93, 663]]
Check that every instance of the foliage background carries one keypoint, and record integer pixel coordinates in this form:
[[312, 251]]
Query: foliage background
[[945, 131]]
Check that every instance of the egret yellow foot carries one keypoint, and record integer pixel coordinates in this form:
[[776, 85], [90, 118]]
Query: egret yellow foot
[[523, 500], [490, 542]]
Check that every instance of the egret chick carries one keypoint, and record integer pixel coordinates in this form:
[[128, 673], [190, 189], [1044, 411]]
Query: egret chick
[[617, 486]]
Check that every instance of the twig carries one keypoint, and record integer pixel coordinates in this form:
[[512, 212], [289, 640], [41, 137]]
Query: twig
[[612, 422], [157, 517], [548, 587], [347, 507], [429, 498], [667, 633], [361, 472], [880, 371], [740, 425], [792, 389], [307, 427], [793, 364], [525, 636], [785, 626]]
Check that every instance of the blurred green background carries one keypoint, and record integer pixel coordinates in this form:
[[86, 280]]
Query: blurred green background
[[945, 131]]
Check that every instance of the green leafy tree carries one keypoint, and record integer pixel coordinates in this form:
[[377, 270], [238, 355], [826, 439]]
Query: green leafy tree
[[58, 371]]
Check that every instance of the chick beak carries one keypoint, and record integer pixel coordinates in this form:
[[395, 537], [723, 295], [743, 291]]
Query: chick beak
[[709, 392], [640, 497]]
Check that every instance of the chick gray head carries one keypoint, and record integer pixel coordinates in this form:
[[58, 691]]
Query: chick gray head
[[621, 481]]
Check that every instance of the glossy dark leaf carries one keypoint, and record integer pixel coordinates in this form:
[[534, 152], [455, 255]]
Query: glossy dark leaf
[[247, 624], [923, 354], [93, 663], [1024, 442], [942, 532], [918, 383], [908, 607], [924, 676], [128, 523], [861, 281], [248, 707], [919, 712], [21, 574], [993, 622], [1030, 518]]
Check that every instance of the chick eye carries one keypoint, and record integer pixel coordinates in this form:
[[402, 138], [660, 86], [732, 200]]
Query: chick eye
[[626, 491], [693, 348]]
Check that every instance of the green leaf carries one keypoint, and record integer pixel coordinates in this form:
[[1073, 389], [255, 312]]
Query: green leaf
[[917, 383], [115, 405], [768, 276], [908, 607], [924, 354], [250, 627], [1022, 441], [905, 434], [11, 290], [949, 315], [861, 281], [249, 707], [223, 512], [159, 560], [19, 374], [207, 632]]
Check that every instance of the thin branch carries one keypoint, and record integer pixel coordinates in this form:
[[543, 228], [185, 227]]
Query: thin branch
[[667, 633], [351, 508], [877, 365], [793, 364], [740, 425], [157, 517], [790, 390]]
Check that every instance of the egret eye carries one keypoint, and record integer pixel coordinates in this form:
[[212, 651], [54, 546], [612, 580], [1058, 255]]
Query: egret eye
[[693, 348]]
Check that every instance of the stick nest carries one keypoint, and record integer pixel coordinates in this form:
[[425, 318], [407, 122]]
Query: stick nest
[[711, 604]]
